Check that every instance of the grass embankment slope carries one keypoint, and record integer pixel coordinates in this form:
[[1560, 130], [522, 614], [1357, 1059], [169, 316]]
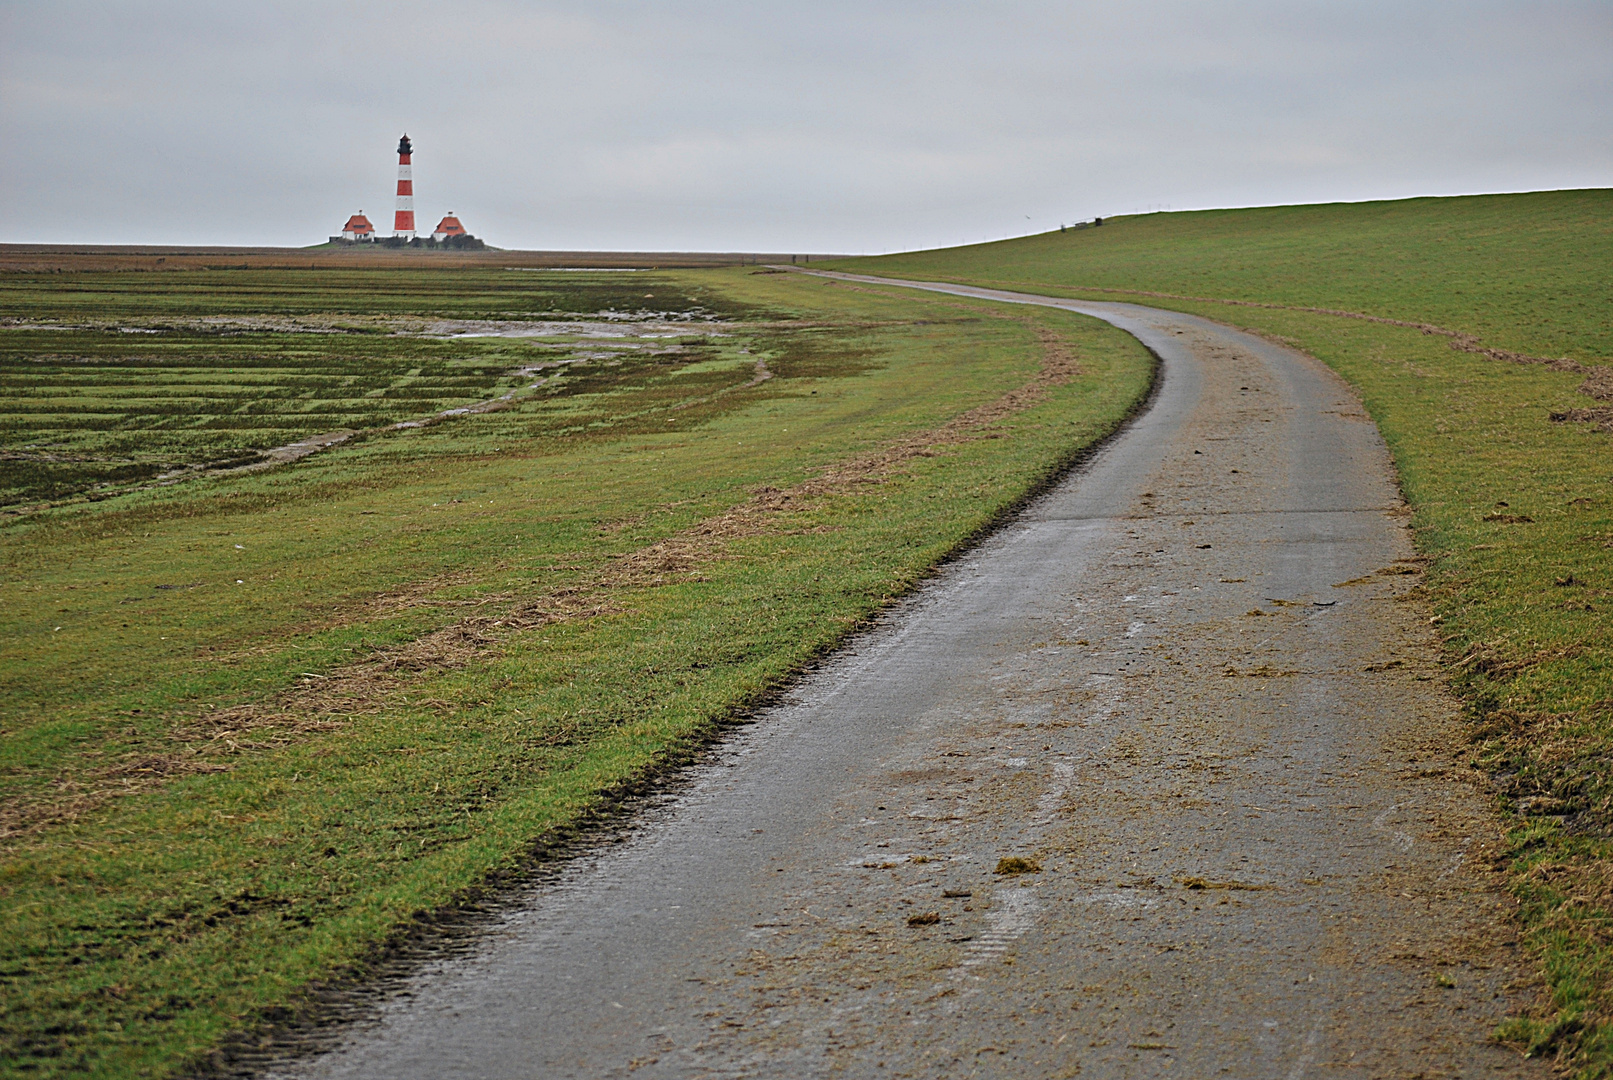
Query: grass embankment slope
[[255, 724], [1513, 507]]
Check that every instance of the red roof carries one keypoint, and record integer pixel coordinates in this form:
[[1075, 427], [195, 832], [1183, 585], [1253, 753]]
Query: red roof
[[358, 223], [450, 225]]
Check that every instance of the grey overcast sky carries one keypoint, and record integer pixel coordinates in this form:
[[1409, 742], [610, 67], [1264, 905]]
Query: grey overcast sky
[[772, 126]]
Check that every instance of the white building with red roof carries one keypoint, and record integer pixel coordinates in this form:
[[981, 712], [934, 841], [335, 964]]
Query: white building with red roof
[[358, 227], [448, 226]]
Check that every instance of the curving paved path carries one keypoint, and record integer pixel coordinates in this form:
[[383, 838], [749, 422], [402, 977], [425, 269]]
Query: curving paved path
[[1238, 774]]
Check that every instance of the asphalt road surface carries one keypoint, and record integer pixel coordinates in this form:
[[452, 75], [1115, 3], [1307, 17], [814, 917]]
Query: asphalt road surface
[[1194, 685]]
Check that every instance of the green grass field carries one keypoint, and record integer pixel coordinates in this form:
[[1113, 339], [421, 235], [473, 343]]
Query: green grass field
[[1513, 507], [255, 724]]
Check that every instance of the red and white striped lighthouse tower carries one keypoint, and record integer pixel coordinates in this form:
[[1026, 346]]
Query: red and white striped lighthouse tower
[[403, 220]]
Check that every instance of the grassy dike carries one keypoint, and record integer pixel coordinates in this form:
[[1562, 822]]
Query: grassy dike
[[1513, 509], [256, 726]]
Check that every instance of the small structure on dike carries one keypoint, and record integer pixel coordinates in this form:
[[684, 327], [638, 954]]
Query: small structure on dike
[[358, 230], [448, 226]]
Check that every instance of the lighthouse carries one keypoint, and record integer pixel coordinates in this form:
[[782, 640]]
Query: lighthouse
[[403, 220]]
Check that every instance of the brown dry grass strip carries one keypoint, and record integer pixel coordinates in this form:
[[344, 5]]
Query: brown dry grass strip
[[1602, 418]]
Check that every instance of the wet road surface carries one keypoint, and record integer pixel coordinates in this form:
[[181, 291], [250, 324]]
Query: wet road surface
[[1193, 685]]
